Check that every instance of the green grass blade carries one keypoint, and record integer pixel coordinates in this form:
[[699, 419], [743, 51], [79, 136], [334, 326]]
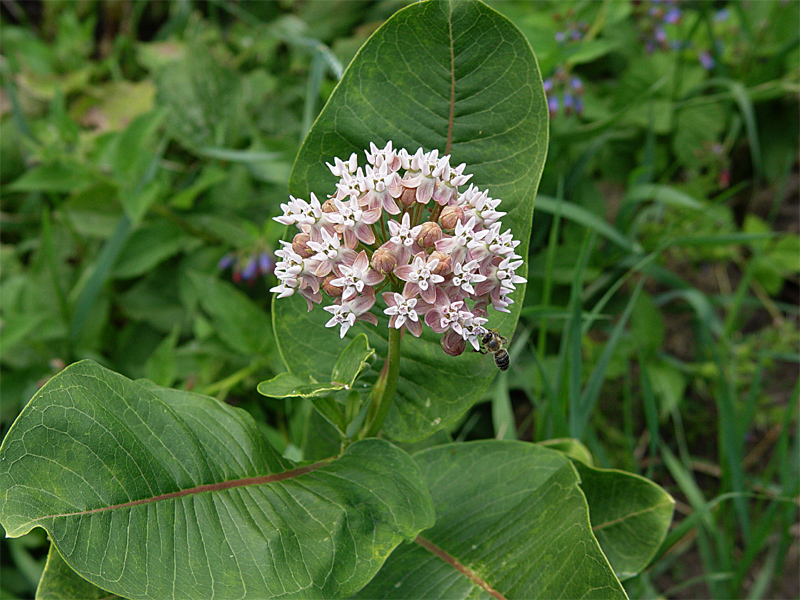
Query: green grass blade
[[579, 420], [580, 215], [571, 353]]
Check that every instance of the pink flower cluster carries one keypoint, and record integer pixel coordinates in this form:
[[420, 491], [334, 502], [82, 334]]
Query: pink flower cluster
[[401, 222]]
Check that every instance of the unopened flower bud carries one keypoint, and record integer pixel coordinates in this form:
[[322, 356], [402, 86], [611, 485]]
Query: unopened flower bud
[[453, 344], [408, 197], [328, 206], [443, 268], [300, 245], [332, 290], [451, 215], [429, 234], [384, 260]]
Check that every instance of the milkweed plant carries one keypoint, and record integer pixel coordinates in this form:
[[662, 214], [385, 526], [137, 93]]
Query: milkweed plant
[[147, 492]]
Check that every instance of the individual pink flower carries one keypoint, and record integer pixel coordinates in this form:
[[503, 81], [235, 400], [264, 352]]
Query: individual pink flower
[[353, 222], [385, 156], [420, 175], [403, 238], [504, 244], [478, 204], [341, 168], [457, 245], [383, 186], [401, 312], [445, 313], [465, 275], [446, 181], [351, 186], [330, 254], [472, 328], [346, 313], [296, 275], [420, 277], [307, 216], [356, 277]]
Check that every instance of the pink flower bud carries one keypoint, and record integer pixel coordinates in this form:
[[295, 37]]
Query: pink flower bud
[[453, 344], [408, 197], [332, 290], [443, 268], [451, 216], [384, 260], [429, 234], [300, 245]]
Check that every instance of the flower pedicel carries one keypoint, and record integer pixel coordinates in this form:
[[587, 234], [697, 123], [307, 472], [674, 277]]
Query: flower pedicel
[[401, 222]]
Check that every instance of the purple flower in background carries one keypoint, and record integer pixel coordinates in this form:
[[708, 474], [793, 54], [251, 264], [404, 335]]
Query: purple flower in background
[[552, 105], [250, 270], [673, 16], [569, 103], [706, 60], [564, 90], [265, 263], [226, 261]]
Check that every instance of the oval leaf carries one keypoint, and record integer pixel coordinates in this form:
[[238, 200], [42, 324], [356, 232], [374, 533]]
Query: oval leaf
[[452, 76], [511, 522], [155, 493], [630, 516]]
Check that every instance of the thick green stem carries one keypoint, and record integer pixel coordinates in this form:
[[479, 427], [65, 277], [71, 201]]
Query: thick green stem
[[383, 392]]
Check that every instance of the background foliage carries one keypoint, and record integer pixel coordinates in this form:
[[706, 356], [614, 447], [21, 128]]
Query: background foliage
[[146, 146]]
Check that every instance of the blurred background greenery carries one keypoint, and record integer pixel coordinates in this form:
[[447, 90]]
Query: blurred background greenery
[[145, 147]]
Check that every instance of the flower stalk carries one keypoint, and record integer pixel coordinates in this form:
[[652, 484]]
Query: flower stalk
[[384, 389]]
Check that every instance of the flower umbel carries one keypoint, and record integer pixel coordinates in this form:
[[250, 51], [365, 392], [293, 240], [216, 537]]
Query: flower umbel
[[401, 221]]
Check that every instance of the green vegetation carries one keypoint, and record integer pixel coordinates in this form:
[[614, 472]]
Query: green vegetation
[[146, 148]]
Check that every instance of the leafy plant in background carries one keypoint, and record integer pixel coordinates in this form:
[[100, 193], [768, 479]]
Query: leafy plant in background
[[151, 492]]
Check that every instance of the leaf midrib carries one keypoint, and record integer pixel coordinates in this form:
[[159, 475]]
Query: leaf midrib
[[631, 515], [453, 562], [200, 489]]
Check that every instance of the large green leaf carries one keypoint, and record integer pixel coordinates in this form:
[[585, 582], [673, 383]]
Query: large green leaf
[[156, 493], [453, 76], [511, 522]]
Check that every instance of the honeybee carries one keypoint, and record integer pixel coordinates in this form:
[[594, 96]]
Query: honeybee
[[493, 342]]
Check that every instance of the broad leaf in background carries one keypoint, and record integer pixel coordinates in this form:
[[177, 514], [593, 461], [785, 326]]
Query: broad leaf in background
[[453, 76], [59, 582], [156, 493], [511, 522], [630, 516]]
